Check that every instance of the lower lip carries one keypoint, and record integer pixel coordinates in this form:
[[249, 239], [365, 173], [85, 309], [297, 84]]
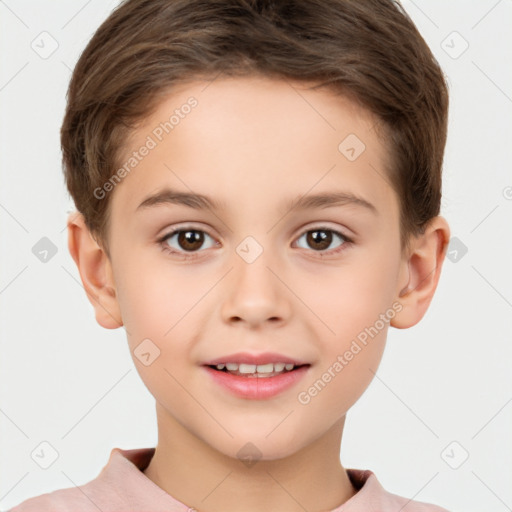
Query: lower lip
[[257, 388]]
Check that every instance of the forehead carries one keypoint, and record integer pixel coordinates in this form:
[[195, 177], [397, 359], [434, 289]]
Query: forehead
[[231, 138]]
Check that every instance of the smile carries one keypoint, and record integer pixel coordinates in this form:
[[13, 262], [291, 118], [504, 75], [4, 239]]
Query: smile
[[256, 382], [253, 370]]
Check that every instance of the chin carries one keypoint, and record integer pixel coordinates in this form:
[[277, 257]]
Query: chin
[[255, 446]]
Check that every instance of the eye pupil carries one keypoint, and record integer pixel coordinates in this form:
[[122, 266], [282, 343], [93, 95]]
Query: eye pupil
[[324, 238], [190, 240]]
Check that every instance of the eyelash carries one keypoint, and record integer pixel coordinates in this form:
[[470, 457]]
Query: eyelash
[[192, 255]]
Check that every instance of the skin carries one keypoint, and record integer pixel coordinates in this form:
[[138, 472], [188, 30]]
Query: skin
[[255, 144]]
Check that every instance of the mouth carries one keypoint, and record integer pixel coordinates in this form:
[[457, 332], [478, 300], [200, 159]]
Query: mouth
[[257, 371], [256, 381], [256, 376]]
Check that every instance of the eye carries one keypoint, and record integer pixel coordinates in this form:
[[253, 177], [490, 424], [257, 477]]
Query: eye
[[185, 240], [321, 238]]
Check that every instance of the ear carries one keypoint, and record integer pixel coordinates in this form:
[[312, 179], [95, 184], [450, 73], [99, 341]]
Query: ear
[[420, 273], [95, 271]]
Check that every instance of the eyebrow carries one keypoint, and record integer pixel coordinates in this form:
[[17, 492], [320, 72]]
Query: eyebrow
[[169, 196], [305, 202]]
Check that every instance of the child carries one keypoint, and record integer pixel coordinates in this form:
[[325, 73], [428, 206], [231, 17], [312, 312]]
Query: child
[[210, 146]]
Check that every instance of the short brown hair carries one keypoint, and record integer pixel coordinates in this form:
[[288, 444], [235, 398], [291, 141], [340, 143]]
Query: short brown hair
[[367, 50]]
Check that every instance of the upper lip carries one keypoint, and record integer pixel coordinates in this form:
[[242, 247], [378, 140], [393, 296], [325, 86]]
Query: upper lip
[[257, 359]]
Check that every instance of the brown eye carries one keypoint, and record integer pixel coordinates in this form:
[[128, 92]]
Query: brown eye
[[185, 240], [190, 240], [321, 239]]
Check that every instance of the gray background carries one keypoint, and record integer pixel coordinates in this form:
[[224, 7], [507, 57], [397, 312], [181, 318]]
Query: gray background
[[443, 391]]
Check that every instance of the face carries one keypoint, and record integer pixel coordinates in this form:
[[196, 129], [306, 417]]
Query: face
[[248, 273]]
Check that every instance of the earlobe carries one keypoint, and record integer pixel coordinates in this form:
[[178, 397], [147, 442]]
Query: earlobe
[[423, 268], [95, 272]]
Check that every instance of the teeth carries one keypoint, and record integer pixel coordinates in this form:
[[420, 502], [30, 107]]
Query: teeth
[[260, 368], [247, 368], [264, 368]]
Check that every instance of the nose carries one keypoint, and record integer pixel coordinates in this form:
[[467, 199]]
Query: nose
[[255, 294]]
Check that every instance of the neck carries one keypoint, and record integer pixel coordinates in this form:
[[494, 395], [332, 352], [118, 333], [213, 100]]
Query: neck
[[205, 479]]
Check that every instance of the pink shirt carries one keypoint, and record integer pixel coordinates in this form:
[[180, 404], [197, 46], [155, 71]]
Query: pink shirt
[[122, 486]]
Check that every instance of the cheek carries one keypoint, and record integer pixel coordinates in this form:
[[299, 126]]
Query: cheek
[[355, 309], [158, 312], [153, 300], [342, 376], [344, 302]]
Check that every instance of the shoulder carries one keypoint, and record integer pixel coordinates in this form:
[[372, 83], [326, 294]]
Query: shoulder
[[92, 496], [121, 485], [62, 500], [372, 496]]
